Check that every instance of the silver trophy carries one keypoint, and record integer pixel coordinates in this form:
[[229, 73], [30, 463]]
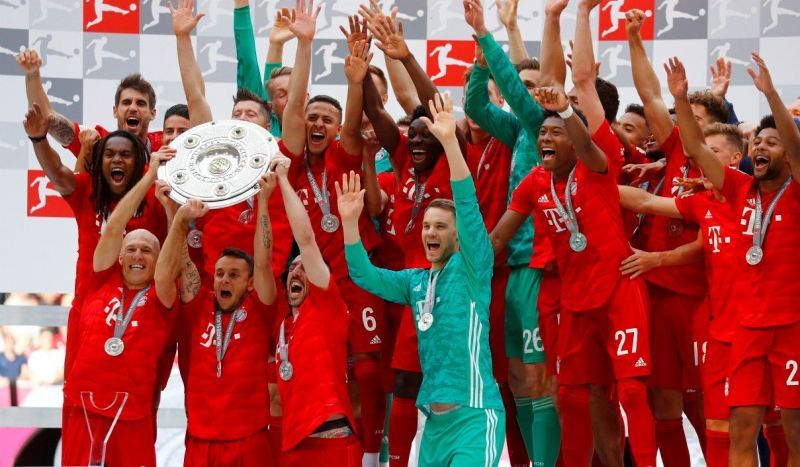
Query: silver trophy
[[219, 162]]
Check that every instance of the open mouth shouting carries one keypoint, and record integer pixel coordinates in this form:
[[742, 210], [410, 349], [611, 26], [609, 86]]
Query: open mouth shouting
[[548, 153], [132, 123], [418, 155], [117, 175], [760, 161], [433, 246], [317, 137]]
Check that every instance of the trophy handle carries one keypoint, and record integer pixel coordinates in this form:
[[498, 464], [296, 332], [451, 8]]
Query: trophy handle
[[100, 433]]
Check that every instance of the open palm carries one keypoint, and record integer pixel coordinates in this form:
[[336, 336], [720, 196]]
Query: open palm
[[302, 22], [183, 18], [443, 125], [390, 34], [350, 196]]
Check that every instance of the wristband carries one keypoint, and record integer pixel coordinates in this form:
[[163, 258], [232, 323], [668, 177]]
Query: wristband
[[566, 113], [37, 139]]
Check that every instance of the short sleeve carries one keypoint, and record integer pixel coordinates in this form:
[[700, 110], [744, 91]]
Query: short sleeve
[[690, 206], [523, 198]]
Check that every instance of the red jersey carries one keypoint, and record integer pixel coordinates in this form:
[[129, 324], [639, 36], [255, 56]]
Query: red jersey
[[607, 141], [767, 292], [236, 405], [154, 139], [588, 277], [718, 225], [490, 163], [134, 371], [397, 215], [334, 164], [659, 233], [542, 249], [317, 349]]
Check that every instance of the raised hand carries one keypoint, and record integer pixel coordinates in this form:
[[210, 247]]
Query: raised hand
[[389, 32], [356, 65], [267, 184], [721, 77], [36, 123], [552, 98], [350, 197], [183, 18], [443, 125], [164, 154], [762, 80], [555, 7], [162, 192], [644, 171], [507, 12], [633, 22], [358, 32], [281, 33], [29, 61], [473, 15], [480, 58], [302, 22], [373, 13], [193, 209], [280, 165], [676, 78]]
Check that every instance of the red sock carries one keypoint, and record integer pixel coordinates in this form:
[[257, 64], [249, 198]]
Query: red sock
[[373, 403], [641, 427], [275, 431], [672, 442], [718, 445], [778, 449], [517, 454], [402, 428], [576, 425], [694, 412]]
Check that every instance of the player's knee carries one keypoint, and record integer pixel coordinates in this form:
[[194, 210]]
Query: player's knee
[[745, 424], [790, 418], [407, 384], [721, 426], [667, 403]]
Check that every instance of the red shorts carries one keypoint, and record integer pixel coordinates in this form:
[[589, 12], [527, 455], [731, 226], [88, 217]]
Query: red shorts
[[131, 442], [337, 452], [254, 450], [406, 355], [672, 346], [497, 319], [549, 311], [715, 380], [613, 342], [367, 318], [764, 367]]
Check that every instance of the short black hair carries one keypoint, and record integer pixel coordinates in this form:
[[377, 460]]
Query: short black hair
[[609, 98], [528, 64], [419, 111], [637, 109], [553, 113], [243, 94], [768, 121], [181, 110], [328, 100], [231, 252]]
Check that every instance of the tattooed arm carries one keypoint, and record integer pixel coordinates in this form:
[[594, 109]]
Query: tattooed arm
[[263, 279], [174, 261]]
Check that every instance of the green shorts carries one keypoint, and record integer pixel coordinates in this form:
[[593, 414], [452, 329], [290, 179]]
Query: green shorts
[[522, 315], [463, 437]]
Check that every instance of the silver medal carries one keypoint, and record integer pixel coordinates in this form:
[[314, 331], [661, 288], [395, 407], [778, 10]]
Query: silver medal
[[754, 255], [246, 216], [195, 238], [114, 346], [675, 228], [330, 223], [577, 242], [425, 321], [286, 370]]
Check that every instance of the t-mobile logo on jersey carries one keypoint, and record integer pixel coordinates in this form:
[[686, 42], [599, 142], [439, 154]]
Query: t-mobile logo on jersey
[[715, 239], [555, 219], [748, 220], [208, 336], [111, 310]]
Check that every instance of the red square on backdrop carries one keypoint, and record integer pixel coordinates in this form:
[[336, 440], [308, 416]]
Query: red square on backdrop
[[448, 60], [43, 199], [115, 16], [612, 19]]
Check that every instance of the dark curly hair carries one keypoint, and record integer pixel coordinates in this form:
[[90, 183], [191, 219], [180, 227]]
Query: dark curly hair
[[101, 192]]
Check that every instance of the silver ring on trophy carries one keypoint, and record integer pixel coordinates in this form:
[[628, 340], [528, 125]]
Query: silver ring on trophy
[[219, 162]]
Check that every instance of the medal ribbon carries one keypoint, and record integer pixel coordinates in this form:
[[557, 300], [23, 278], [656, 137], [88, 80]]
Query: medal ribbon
[[762, 223], [222, 345], [419, 195], [320, 195], [483, 157], [283, 346], [430, 294], [121, 322], [567, 214]]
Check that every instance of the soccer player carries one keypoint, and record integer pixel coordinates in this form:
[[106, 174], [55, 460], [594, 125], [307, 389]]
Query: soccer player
[[603, 333], [224, 341], [176, 122], [134, 107], [318, 424], [125, 321], [465, 424], [763, 354]]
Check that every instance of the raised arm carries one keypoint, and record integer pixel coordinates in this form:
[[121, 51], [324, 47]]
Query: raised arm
[[174, 261], [443, 127], [107, 250], [507, 11], [60, 128], [584, 70], [87, 137], [554, 68], [303, 24], [316, 269], [374, 197], [384, 125], [263, 278], [356, 68], [790, 136], [585, 149], [248, 75], [645, 79], [494, 120], [36, 126], [692, 136], [183, 22]]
